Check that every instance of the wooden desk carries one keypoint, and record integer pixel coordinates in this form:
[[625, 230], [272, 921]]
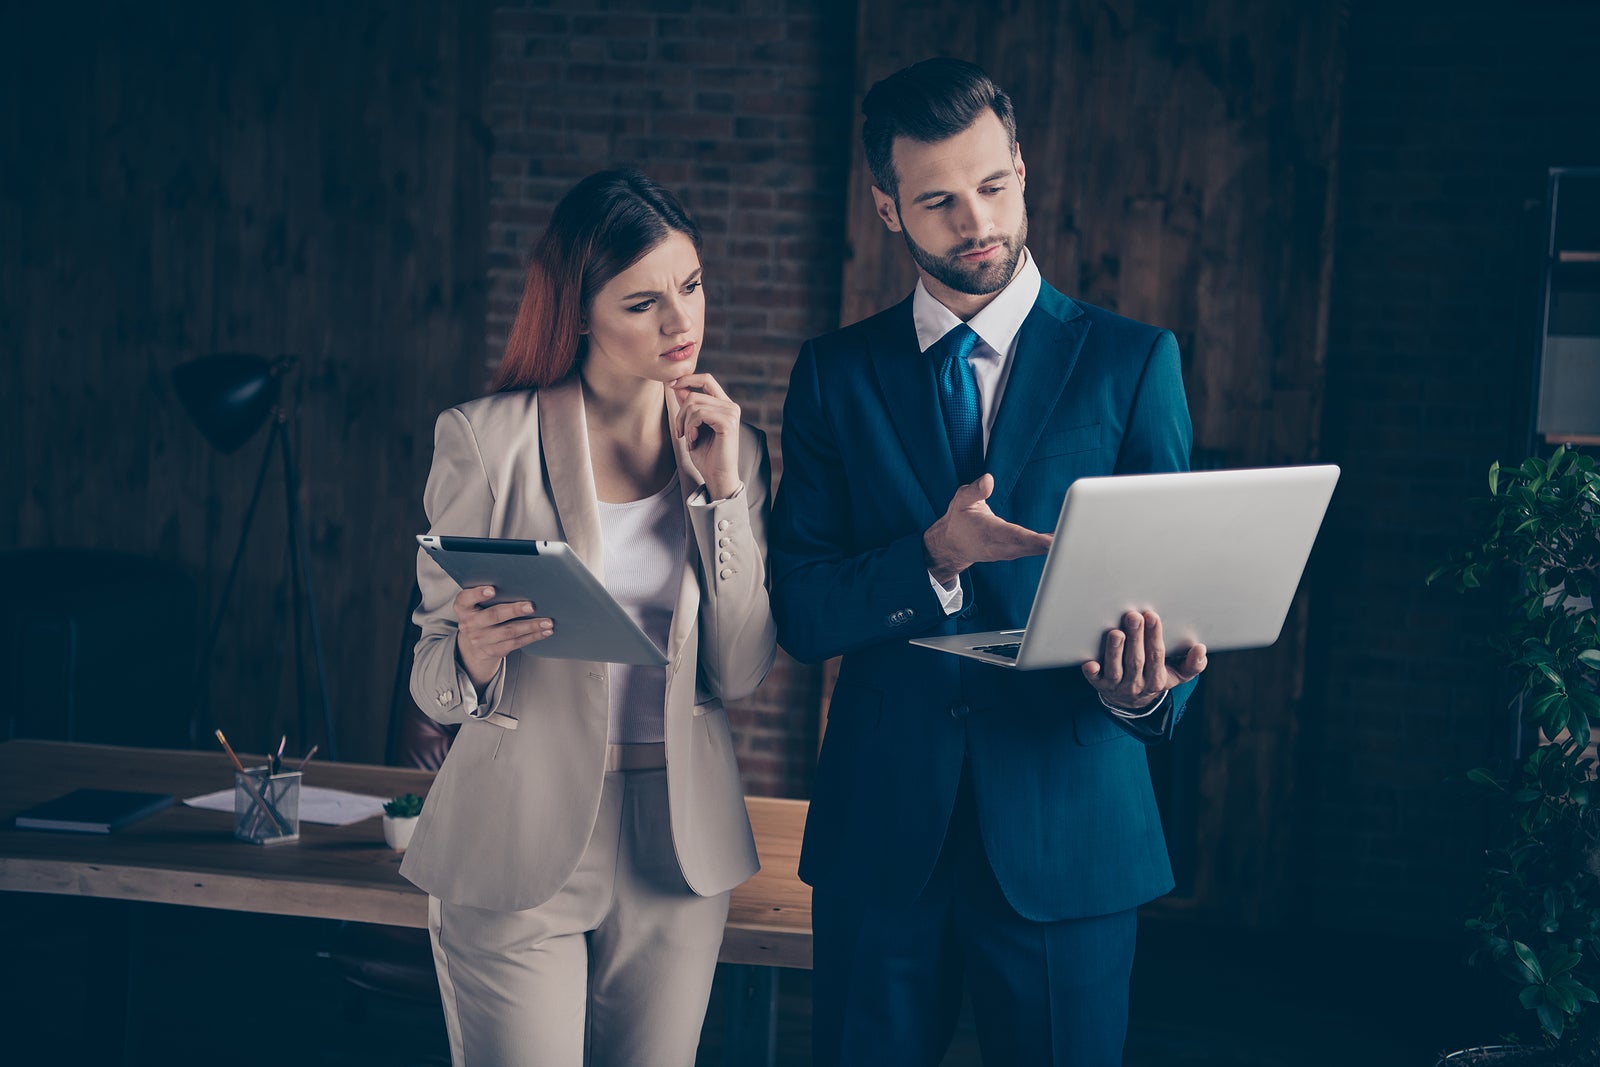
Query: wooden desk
[[187, 856]]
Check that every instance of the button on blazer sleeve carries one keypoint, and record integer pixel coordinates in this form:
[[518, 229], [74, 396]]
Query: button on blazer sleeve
[[738, 639]]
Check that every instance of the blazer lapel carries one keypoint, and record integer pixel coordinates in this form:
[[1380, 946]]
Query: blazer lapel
[[909, 392], [564, 440], [1046, 351], [687, 609]]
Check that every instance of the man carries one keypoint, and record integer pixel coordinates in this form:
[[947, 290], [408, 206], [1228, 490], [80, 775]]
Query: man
[[970, 826]]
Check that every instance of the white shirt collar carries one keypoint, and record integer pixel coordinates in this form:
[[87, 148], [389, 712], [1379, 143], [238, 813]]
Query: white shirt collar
[[996, 325]]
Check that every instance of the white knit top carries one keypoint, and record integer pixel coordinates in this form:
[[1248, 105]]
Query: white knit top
[[644, 544]]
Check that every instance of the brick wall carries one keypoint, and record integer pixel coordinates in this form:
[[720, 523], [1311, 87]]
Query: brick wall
[[743, 109], [1452, 115]]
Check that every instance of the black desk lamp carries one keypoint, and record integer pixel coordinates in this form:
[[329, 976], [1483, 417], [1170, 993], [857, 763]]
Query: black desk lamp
[[229, 396]]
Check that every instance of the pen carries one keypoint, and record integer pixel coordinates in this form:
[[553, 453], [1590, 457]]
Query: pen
[[277, 757], [250, 787]]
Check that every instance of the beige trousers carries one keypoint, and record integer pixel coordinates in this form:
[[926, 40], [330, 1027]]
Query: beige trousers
[[615, 969]]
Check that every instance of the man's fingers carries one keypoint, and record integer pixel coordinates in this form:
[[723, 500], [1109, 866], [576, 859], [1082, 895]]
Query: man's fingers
[[1111, 662], [974, 492], [1194, 661], [1155, 652], [1133, 648]]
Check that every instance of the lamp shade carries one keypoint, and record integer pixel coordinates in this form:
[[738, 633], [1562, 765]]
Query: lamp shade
[[229, 395]]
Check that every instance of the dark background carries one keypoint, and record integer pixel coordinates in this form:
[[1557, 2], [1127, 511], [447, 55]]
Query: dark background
[[1338, 207]]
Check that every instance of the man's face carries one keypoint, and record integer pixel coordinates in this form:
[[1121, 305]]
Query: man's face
[[960, 209]]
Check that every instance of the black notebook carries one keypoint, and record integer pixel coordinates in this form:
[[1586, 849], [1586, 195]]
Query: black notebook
[[92, 811]]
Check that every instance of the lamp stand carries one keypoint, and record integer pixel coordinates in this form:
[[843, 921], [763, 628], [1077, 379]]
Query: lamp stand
[[302, 594]]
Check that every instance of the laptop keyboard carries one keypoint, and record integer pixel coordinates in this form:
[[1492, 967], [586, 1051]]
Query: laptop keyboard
[[1008, 651]]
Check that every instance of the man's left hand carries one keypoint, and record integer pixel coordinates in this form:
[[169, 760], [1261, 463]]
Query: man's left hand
[[1133, 671]]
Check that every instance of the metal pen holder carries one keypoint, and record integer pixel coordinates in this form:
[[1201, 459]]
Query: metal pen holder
[[266, 806]]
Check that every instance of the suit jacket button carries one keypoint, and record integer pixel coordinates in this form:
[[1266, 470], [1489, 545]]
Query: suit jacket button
[[722, 542], [958, 710], [725, 573], [722, 524], [723, 557]]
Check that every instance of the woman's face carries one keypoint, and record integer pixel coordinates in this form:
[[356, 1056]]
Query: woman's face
[[648, 321]]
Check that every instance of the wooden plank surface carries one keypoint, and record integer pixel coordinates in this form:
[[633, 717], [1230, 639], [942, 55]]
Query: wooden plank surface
[[188, 856]]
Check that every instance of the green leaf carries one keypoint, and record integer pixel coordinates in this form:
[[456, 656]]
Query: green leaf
[[1529, 960], [1551, 673], [1561, 961], [1494, 478], [1561, 999], [1553, 1024], [1483, 777], [1584, 993], [1590, 657]]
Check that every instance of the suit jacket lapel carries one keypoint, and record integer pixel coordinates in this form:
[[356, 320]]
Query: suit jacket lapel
[[1046, 351], [906, 377], [564, 440]]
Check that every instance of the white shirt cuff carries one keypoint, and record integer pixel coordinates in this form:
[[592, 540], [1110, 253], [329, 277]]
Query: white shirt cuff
[[949, 599], [1126, 713]]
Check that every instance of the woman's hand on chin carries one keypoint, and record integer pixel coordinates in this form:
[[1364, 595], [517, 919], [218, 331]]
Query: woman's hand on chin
[[708, 420]]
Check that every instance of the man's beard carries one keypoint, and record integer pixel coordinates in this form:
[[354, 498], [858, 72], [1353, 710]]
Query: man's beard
[[974, 279]]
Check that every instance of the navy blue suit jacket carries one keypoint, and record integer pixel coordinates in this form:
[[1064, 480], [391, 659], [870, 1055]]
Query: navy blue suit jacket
[[1063, 792]]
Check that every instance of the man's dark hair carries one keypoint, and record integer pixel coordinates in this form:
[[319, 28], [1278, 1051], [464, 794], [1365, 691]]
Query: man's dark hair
[[927, 102]]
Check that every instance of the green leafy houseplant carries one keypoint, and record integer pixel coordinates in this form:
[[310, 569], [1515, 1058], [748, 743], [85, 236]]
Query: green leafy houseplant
[[1540, 921], [408, 806]]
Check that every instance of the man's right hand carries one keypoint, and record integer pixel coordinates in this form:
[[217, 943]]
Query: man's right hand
[[488, 632], [970, 533]]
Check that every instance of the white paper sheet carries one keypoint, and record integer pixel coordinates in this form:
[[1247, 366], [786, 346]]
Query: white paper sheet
[[330, 807]]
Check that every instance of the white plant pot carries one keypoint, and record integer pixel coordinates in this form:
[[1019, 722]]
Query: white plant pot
[[398, 831]]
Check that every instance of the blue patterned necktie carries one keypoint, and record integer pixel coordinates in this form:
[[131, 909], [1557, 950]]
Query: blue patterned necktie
[[958, 397]]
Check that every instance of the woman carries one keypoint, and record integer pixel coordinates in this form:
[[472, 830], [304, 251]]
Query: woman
[[580, 842]]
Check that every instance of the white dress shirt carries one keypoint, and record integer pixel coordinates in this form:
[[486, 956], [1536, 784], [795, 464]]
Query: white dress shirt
[[997, 326]]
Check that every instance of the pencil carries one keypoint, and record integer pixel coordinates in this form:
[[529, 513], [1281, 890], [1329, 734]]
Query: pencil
[[250, 787], [307, 758], [229, 750]]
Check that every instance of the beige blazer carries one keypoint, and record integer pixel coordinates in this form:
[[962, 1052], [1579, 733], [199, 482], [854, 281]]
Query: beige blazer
[[513, 807]]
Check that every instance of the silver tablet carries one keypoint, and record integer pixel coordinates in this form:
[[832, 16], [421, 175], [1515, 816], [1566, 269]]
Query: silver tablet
[[590, 624]]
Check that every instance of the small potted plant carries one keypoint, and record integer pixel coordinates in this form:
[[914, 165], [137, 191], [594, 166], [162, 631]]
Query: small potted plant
[[399, 819], [1539, 924]]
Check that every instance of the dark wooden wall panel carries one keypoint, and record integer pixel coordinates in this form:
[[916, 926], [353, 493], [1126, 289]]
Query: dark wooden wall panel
[[1179, 165], [296, 179]]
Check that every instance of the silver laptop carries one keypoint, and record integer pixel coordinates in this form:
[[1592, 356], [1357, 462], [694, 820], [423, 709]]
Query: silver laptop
[[1217, 554]]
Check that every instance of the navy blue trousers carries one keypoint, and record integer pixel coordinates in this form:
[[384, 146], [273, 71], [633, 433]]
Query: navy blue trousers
[[887, 979]]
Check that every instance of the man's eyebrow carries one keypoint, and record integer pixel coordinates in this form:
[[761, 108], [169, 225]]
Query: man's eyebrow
[[934, 194]]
